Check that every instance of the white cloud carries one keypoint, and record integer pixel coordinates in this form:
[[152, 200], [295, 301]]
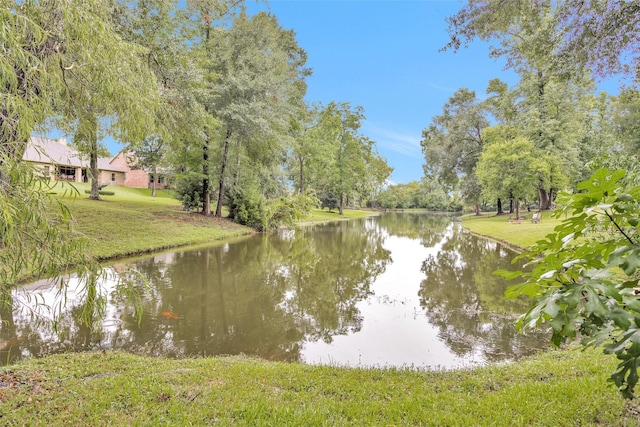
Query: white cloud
[[441, 88], [403, 143]]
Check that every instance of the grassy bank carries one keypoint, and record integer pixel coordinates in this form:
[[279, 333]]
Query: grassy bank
[[521, 235], [131, 222], [552, 389]]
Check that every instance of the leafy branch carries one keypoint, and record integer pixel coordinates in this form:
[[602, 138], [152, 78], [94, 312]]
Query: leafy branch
[[584, 276]]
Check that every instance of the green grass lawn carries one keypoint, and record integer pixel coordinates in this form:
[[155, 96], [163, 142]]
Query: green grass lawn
[[321, 215], [132, 222], [522, 234], [556, 388]]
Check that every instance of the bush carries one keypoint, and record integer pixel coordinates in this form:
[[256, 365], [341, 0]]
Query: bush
[[329, 201], [585, 276], [189, 191], [248, 207], [287, 210]]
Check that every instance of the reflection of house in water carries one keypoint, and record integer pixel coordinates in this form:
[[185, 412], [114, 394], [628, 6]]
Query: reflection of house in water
[[57, 161]]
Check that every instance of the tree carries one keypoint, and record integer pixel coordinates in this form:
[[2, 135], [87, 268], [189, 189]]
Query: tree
[[149, 155], [509, 168], [164, 30], [259, 85], [453, 142], [307, 143], [46, 48], [600, 35], [349, 168], [585, 274], [626, 120], [208, 14], [125, 95]]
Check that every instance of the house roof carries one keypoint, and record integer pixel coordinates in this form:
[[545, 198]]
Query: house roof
[[45, 150]]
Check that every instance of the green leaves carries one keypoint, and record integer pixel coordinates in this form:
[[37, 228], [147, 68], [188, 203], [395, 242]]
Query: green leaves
[[585, 275]]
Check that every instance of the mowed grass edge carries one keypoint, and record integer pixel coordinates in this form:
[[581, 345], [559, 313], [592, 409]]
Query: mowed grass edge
[[555, 388], [131, 222]]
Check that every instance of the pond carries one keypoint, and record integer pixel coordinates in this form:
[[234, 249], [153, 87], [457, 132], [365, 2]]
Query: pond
[[398, 290]]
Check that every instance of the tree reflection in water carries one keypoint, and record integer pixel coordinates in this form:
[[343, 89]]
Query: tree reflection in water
[[262, 296], [270, 295], [463, 298]]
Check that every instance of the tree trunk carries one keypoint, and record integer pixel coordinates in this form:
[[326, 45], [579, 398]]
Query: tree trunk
[[222, 169], [341, 207], [155, 180], [206, 193], [543, 196], [500, 211], [476, 207], [301, 161], [236, 174], [89, 132], [517, 201]]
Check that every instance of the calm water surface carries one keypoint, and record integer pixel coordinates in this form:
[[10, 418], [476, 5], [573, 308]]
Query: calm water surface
[[403, 290]]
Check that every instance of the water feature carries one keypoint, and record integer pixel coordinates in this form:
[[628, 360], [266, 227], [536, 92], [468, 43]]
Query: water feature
[[403, 290]]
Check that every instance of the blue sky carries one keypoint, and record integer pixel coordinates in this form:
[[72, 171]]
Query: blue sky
[[384, 56]]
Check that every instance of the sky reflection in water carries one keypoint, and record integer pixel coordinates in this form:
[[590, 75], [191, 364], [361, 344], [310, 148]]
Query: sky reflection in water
[[402, 290]]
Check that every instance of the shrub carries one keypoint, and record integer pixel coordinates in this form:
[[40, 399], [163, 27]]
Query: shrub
[[287, 210], [248, 207], [189, 191]]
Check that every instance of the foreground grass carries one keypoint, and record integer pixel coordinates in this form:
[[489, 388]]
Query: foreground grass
[[558, 388], [521, 235]]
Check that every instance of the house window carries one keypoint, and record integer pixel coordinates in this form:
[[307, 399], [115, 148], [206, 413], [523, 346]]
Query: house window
[[66, 173], [113, 177], [46, 171]]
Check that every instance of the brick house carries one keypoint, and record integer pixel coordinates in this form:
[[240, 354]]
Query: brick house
[[133, 177], [57, 161], [138, 177]]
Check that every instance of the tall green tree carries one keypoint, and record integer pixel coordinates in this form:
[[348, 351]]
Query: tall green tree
[[124, 101], [209, 17], [260, 83], [453, 142], [164, 30], [600, 35], [509, 168], [48, 48]]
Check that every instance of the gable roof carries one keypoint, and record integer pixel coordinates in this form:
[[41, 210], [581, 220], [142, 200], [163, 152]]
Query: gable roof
[[45, 150]]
